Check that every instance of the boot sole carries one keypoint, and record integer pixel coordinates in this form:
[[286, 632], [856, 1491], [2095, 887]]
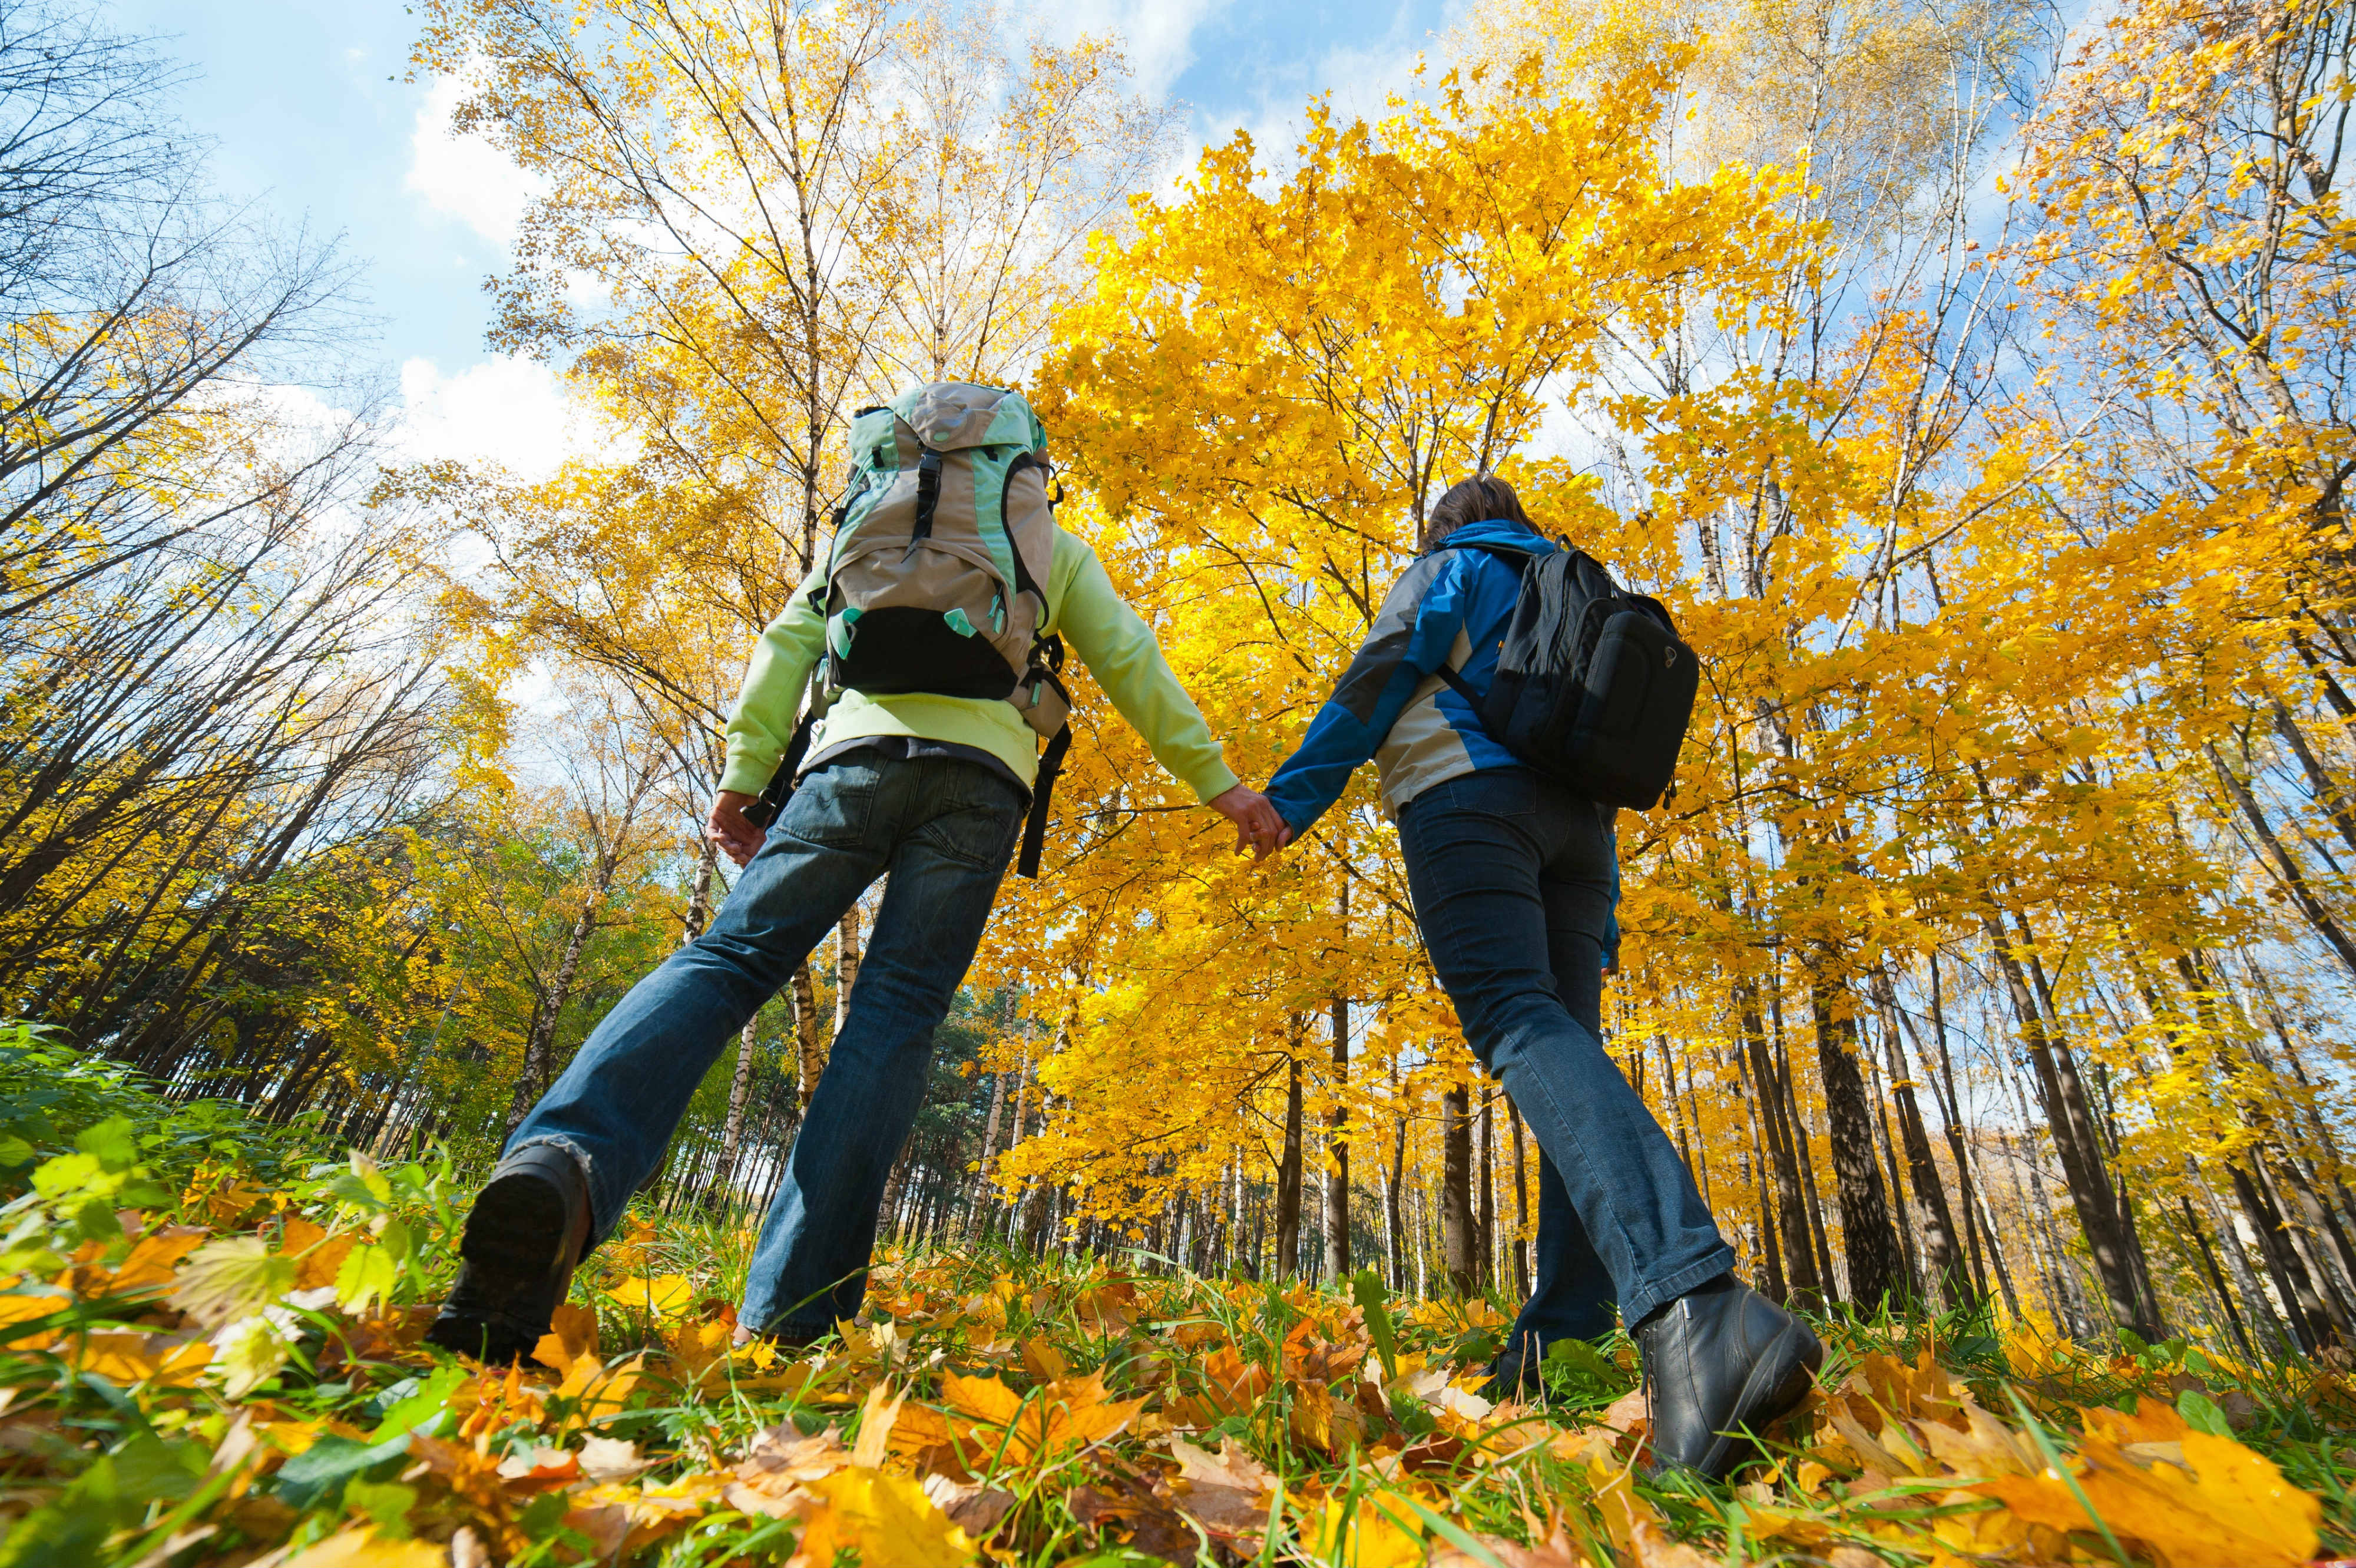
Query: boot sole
[[510, 1246], [515, 1233], [1778, 1380]]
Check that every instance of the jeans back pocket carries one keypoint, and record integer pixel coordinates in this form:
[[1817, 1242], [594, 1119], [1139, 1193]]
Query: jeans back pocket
[[831, 807]]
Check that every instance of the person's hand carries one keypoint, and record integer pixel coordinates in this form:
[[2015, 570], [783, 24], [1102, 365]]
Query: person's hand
[[732, 830], [1258, 827]]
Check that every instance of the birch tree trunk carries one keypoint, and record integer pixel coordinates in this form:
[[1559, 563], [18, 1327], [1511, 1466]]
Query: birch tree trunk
[[1457, 1239], [1337, 1142]]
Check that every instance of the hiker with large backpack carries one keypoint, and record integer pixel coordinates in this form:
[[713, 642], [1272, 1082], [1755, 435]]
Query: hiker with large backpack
[[930, 641], [1514, 697]]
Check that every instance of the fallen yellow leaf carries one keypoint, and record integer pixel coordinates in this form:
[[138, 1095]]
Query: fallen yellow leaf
[[885, 1518], [367, 1549]]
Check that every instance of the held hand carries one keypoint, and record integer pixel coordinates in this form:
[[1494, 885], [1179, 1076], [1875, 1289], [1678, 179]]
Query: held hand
[[1258, 827], [732, 830]]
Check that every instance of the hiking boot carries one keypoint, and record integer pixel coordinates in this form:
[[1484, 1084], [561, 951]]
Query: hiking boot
[[523, 1237], [1718, 1359]]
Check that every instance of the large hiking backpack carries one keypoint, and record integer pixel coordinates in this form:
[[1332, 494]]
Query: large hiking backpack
[[1593, 686], [935, 580]]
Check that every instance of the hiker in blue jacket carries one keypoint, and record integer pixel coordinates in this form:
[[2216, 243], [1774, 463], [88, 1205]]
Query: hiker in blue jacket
[[1514, 879]]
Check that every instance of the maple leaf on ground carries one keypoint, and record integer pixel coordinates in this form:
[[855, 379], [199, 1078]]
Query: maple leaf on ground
[[1228, 1495], [885, 1518], [231, 1277], [657, 1296], [169, 1360], [572, 1334], [989, 1422], [153, 1257], [773, 1477], [318, 1253], [1153, 1529], [2224, 1503], [1376, 1530], [622, 1521], [1231, 1386]]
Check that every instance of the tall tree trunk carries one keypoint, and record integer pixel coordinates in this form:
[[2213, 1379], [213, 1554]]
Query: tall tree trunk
[[1799, 1253], [809, 1054], [1288, 1171], [2192, 1227], [1521, 1202], [2300, 1304], [2073, 1125], [1951, 1112], [539, 1048], [1819, 1236], [1337, 1141], [732, 1135], [698, 899], [1457, 1241], [982, 1171], [1488, 1186], [2286, 867], [1875, 1267], [1393, 1180], [846, 965], [1930, 1191], [2259, 1307], [1762, 1185]]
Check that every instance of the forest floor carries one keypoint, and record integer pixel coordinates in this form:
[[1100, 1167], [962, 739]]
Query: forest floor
[[210, 1355]]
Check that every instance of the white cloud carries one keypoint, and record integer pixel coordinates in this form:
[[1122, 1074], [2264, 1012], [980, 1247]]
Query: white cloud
[[511, 413], [464, 177], [1156, 35]]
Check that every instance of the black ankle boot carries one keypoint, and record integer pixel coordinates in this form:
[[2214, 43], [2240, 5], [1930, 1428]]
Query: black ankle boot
[[524, 1235], [1718, 1360]]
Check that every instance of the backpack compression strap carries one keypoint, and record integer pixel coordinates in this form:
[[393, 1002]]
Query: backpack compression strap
[[771, 803], [928, 494], [1035, 829]]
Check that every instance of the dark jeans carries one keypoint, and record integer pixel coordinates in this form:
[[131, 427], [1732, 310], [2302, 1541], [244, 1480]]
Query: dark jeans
[[942, 829], [1513, 879]]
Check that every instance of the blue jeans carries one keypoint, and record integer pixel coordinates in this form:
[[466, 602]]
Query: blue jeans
[[1512, 881], [943, 829]]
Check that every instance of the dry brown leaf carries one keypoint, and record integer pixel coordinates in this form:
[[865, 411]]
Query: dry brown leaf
[[772, 1478], [972, 1507], [611, 1459], [1226, 1495]]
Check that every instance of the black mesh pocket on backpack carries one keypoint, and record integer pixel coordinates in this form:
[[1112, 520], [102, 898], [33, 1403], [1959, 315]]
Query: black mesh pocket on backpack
[[902, 649]]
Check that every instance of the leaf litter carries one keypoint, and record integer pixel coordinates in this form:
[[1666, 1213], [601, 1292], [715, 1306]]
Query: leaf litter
[[218, 1382]]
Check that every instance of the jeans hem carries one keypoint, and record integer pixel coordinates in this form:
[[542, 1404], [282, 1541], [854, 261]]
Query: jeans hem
[[1659, 1293]]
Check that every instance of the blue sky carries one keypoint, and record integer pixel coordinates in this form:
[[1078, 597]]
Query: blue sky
[[311, 114]]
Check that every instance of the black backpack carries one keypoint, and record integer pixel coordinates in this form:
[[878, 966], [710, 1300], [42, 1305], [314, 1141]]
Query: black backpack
[[1593, 685]]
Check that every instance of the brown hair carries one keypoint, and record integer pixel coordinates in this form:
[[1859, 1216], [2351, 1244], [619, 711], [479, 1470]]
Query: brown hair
[[1472, 500]]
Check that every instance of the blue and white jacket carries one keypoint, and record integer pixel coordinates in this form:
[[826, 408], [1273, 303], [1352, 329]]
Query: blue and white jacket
[[1450, 608]]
